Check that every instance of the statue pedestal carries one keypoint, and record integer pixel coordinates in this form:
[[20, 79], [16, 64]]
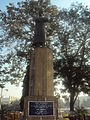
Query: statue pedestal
[[41, 103], [41, 108]]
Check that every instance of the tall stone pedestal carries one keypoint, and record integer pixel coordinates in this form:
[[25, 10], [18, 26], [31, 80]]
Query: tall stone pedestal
[[41, 101]]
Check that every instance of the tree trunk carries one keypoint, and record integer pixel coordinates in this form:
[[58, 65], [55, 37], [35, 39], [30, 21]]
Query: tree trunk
[[72, 102]]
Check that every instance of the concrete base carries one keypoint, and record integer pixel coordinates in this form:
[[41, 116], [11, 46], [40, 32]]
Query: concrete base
[[41, 98]]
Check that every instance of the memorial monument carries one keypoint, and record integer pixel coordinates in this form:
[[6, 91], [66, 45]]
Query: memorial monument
[[41, 103]]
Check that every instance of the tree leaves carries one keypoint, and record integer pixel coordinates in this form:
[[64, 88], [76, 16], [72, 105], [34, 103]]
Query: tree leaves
[[17, 25], [72, 64]]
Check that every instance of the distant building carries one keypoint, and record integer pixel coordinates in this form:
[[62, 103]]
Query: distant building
[[8, 100], [5, 100]]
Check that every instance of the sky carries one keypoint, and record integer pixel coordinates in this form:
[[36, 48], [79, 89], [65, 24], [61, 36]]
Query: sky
[[59, 3], [67, 3], [12, 89]]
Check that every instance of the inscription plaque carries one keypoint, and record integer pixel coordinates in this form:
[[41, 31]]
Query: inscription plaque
[[40, 108]]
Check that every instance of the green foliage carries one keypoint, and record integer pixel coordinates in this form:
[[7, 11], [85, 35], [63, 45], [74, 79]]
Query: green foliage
[[73, 52], [17, 27], [80, 111], [1, 85]]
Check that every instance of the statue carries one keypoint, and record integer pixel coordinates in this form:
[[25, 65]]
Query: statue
[[39, 37]]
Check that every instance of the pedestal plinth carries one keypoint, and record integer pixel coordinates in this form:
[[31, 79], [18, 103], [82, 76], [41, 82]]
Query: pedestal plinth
[[44, 108]]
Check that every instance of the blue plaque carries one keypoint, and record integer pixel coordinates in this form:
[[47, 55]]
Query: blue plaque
[[40, 108]]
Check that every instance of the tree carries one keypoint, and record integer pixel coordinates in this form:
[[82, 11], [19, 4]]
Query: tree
[[17, 27], [86, 102], [81, 112], [71, 62]]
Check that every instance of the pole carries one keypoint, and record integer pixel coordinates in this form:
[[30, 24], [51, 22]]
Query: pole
[[1, 99], [0, 107], [1, 116]]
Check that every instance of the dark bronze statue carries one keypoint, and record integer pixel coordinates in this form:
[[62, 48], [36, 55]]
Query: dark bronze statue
[[39, 37]]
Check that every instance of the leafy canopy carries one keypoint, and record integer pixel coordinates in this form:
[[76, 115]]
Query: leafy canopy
[[72, 57], [18, 25]]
